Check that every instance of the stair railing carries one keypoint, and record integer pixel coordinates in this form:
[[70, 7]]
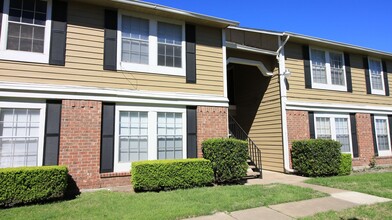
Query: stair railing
[[254, 152]]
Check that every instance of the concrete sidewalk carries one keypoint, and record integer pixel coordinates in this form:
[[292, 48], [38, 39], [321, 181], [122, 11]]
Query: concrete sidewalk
[[338, 200]]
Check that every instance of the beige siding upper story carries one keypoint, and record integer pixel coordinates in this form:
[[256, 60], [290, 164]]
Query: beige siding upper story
[[298, 92], [84, 61]]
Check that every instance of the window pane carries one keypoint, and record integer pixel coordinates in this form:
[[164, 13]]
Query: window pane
[[133, 136], [323, 127], [19, 137], [169, 45], [376, 74], [135, 33], [26, 26], [318, 66], [337, 71], [170, 136], [342, 133], [382, 134]]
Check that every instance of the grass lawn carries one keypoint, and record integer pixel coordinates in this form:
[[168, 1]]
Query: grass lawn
[[165, 205], [378, 184], [379, 211]]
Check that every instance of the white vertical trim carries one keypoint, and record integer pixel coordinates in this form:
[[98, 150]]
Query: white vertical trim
[[224, 63], [283, 100]]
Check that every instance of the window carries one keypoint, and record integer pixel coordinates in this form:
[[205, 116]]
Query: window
[[382, 136], [336, 127], [170, 135], [328, 70], [151, 44], [21, 135], [26, 30], [376, 76], [148, 133]]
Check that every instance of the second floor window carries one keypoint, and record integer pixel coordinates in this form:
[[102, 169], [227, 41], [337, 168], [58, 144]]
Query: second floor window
[[328, 70], [151, 44], [376, 76]]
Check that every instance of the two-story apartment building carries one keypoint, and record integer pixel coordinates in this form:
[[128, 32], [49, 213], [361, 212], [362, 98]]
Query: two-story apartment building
[[95, 85]]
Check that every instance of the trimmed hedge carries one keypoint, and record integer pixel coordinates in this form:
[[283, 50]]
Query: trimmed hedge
[[158, 175], [316, 157], [31, 184], [345, 165], [228, 157]]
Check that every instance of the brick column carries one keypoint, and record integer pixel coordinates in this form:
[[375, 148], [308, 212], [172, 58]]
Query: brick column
[[365, 139], [80, 141], [297, 127], [212, 122]]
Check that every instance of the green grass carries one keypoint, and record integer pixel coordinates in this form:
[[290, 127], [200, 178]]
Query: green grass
[[379, 211], [378, 184], [164, 205]]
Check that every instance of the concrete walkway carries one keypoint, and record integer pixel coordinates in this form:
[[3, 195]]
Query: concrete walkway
[[338, 200]]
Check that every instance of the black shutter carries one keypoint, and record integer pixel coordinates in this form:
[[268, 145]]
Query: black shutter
[[191, 121], [107, 137], [306, 57], [386, 83], [374, 136], [367, 75], [58, 33], [110, 44], [52, 132], [190, 36], [347, 64], [311, 125], [354, 137]]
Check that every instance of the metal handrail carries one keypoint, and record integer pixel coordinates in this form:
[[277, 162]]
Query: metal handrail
[[254, 152]]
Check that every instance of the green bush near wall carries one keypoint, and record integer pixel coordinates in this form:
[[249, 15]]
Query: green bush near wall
[[316, 157], [228, 157], [345, 165], [159, 175], [31, 184]]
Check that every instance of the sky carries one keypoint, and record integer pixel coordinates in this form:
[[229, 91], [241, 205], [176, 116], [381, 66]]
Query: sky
[[365, 23]]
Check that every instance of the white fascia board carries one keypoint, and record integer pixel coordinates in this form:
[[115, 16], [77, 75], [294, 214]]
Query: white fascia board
[[236, 46], [248, 62], [40, 91], [346, 108]]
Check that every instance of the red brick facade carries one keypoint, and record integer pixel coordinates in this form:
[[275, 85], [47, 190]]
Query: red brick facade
[[211, 123], [80, 141], [298, 129]]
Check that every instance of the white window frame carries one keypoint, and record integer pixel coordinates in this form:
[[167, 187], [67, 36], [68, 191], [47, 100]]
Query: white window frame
[[329, 85], [152, 132], [332, 117], [383, 153], [25, 56], [152, 66], [376, 91], [37, 106]]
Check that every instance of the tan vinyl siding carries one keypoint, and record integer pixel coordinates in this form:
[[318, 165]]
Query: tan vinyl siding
[[297, 91], [84, 61], [266, 130]]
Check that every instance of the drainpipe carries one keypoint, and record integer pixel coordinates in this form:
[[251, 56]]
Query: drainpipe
[[283, 99]]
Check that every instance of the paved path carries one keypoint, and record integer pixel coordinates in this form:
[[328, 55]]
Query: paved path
[[338, 200]]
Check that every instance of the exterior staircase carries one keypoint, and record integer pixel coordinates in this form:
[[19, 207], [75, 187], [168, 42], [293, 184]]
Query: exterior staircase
[[254, 161]]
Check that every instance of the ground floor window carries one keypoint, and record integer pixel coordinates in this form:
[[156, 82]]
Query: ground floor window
[[382, 135], [336, 127], [21, 134], [148, 133]]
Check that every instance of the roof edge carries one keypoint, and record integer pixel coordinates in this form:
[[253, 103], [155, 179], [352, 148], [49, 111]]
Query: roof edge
[[336, 43], [178, 11]]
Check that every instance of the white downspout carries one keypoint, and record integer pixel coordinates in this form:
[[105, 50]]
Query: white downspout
[[283, 98]]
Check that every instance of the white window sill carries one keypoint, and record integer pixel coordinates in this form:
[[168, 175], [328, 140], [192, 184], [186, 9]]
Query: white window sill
[[329, 87], [386, 153], [145, 68], [23, 56], [377, 92]]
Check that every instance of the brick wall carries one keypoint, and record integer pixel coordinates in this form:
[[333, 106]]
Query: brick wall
[[365, 139], [211, 123], [297, 127]]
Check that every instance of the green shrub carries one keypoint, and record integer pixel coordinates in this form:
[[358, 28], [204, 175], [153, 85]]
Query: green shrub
[[345, 165], [171, 174], [228, 157], [31, 184], [316, 157]]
